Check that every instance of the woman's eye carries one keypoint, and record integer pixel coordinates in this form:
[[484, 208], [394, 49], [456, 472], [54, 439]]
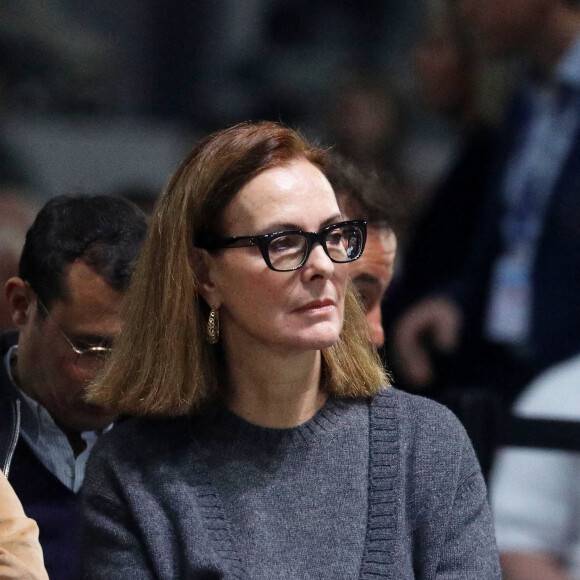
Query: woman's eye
[[334, 238], [285, 244]]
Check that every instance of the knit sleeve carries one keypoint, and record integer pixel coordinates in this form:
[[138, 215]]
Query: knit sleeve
[[469, 551], [447, 504], [111, 546]]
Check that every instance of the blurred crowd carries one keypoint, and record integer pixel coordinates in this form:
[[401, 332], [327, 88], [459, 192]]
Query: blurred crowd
[[469, 110], [102, 98]]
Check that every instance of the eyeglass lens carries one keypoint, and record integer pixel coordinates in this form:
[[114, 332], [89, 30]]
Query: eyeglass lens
[[92, 359], [343, 244], [89, 359]]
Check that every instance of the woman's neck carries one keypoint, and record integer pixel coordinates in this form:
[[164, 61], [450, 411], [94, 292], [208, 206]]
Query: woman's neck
[[278, 390]]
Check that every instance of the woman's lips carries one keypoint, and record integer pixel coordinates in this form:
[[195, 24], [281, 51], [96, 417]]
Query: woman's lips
[[317, 306]]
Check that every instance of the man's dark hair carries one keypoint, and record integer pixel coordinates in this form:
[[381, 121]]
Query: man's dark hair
[[104, 232], [364, 194]]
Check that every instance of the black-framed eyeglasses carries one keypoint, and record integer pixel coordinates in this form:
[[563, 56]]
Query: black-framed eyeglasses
[[88, 360], [289, 250]]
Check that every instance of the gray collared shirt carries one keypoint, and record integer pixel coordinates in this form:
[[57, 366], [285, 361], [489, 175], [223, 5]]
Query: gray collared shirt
[[47, 441]]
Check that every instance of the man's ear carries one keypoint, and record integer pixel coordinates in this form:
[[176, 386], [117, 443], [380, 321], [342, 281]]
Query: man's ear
[[203, 264], [21, 300]]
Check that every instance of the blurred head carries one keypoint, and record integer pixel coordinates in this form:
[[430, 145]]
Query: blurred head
[[505, 26], [248, 180], [364, 195], [367, 120], [75, 265], [445, 63]]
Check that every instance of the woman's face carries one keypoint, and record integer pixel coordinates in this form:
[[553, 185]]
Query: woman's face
[[285, 311]]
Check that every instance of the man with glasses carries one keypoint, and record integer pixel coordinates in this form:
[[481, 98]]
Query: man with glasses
[[365, 195], [75, 265]]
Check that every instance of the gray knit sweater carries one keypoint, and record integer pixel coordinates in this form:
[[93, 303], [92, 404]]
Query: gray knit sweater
[[383, 489]]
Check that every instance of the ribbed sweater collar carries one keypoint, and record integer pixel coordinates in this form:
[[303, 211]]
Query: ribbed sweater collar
[[222, 423], [384, 479]]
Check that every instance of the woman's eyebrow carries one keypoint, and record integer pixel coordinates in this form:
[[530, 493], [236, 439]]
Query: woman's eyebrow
[[332, 220], [283, 226]]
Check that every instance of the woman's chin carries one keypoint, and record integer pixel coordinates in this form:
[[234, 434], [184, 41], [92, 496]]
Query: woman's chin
[[319, 340]]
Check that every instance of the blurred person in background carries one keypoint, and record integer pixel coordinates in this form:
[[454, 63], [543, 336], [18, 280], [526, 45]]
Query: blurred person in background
[[441, 231], [62, 57], [362, 194], [366, 121], [20, 551], [76, 262], [269, 59], [512, 308], [534, 492]]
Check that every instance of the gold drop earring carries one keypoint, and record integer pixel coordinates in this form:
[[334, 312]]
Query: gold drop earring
[[213, 327]]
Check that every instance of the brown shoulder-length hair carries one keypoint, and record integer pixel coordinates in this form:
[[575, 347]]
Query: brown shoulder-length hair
[[161, 363]]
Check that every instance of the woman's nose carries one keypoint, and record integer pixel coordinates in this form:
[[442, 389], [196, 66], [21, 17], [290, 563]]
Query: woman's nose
[[319, 263]]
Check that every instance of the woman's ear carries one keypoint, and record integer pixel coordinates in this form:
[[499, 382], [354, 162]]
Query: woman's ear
[[204, 267]]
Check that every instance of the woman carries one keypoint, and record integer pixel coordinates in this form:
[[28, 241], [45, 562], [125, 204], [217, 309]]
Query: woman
[[20, 552], [269, 444]]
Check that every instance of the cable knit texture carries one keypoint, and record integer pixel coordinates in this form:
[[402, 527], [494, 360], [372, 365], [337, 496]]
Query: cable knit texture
[[156, 504]]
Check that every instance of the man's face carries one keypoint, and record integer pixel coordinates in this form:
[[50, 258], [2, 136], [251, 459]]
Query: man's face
[[46, 364], [506, 25], [372, 274]]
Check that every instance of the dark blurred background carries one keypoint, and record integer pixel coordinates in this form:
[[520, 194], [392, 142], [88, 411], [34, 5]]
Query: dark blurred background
[[102, 96]]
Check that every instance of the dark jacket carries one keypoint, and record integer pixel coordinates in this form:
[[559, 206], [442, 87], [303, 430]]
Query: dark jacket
[[555, 313], [54, 507]]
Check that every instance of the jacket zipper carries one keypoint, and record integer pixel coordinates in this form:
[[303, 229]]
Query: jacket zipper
[[14, 441]]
